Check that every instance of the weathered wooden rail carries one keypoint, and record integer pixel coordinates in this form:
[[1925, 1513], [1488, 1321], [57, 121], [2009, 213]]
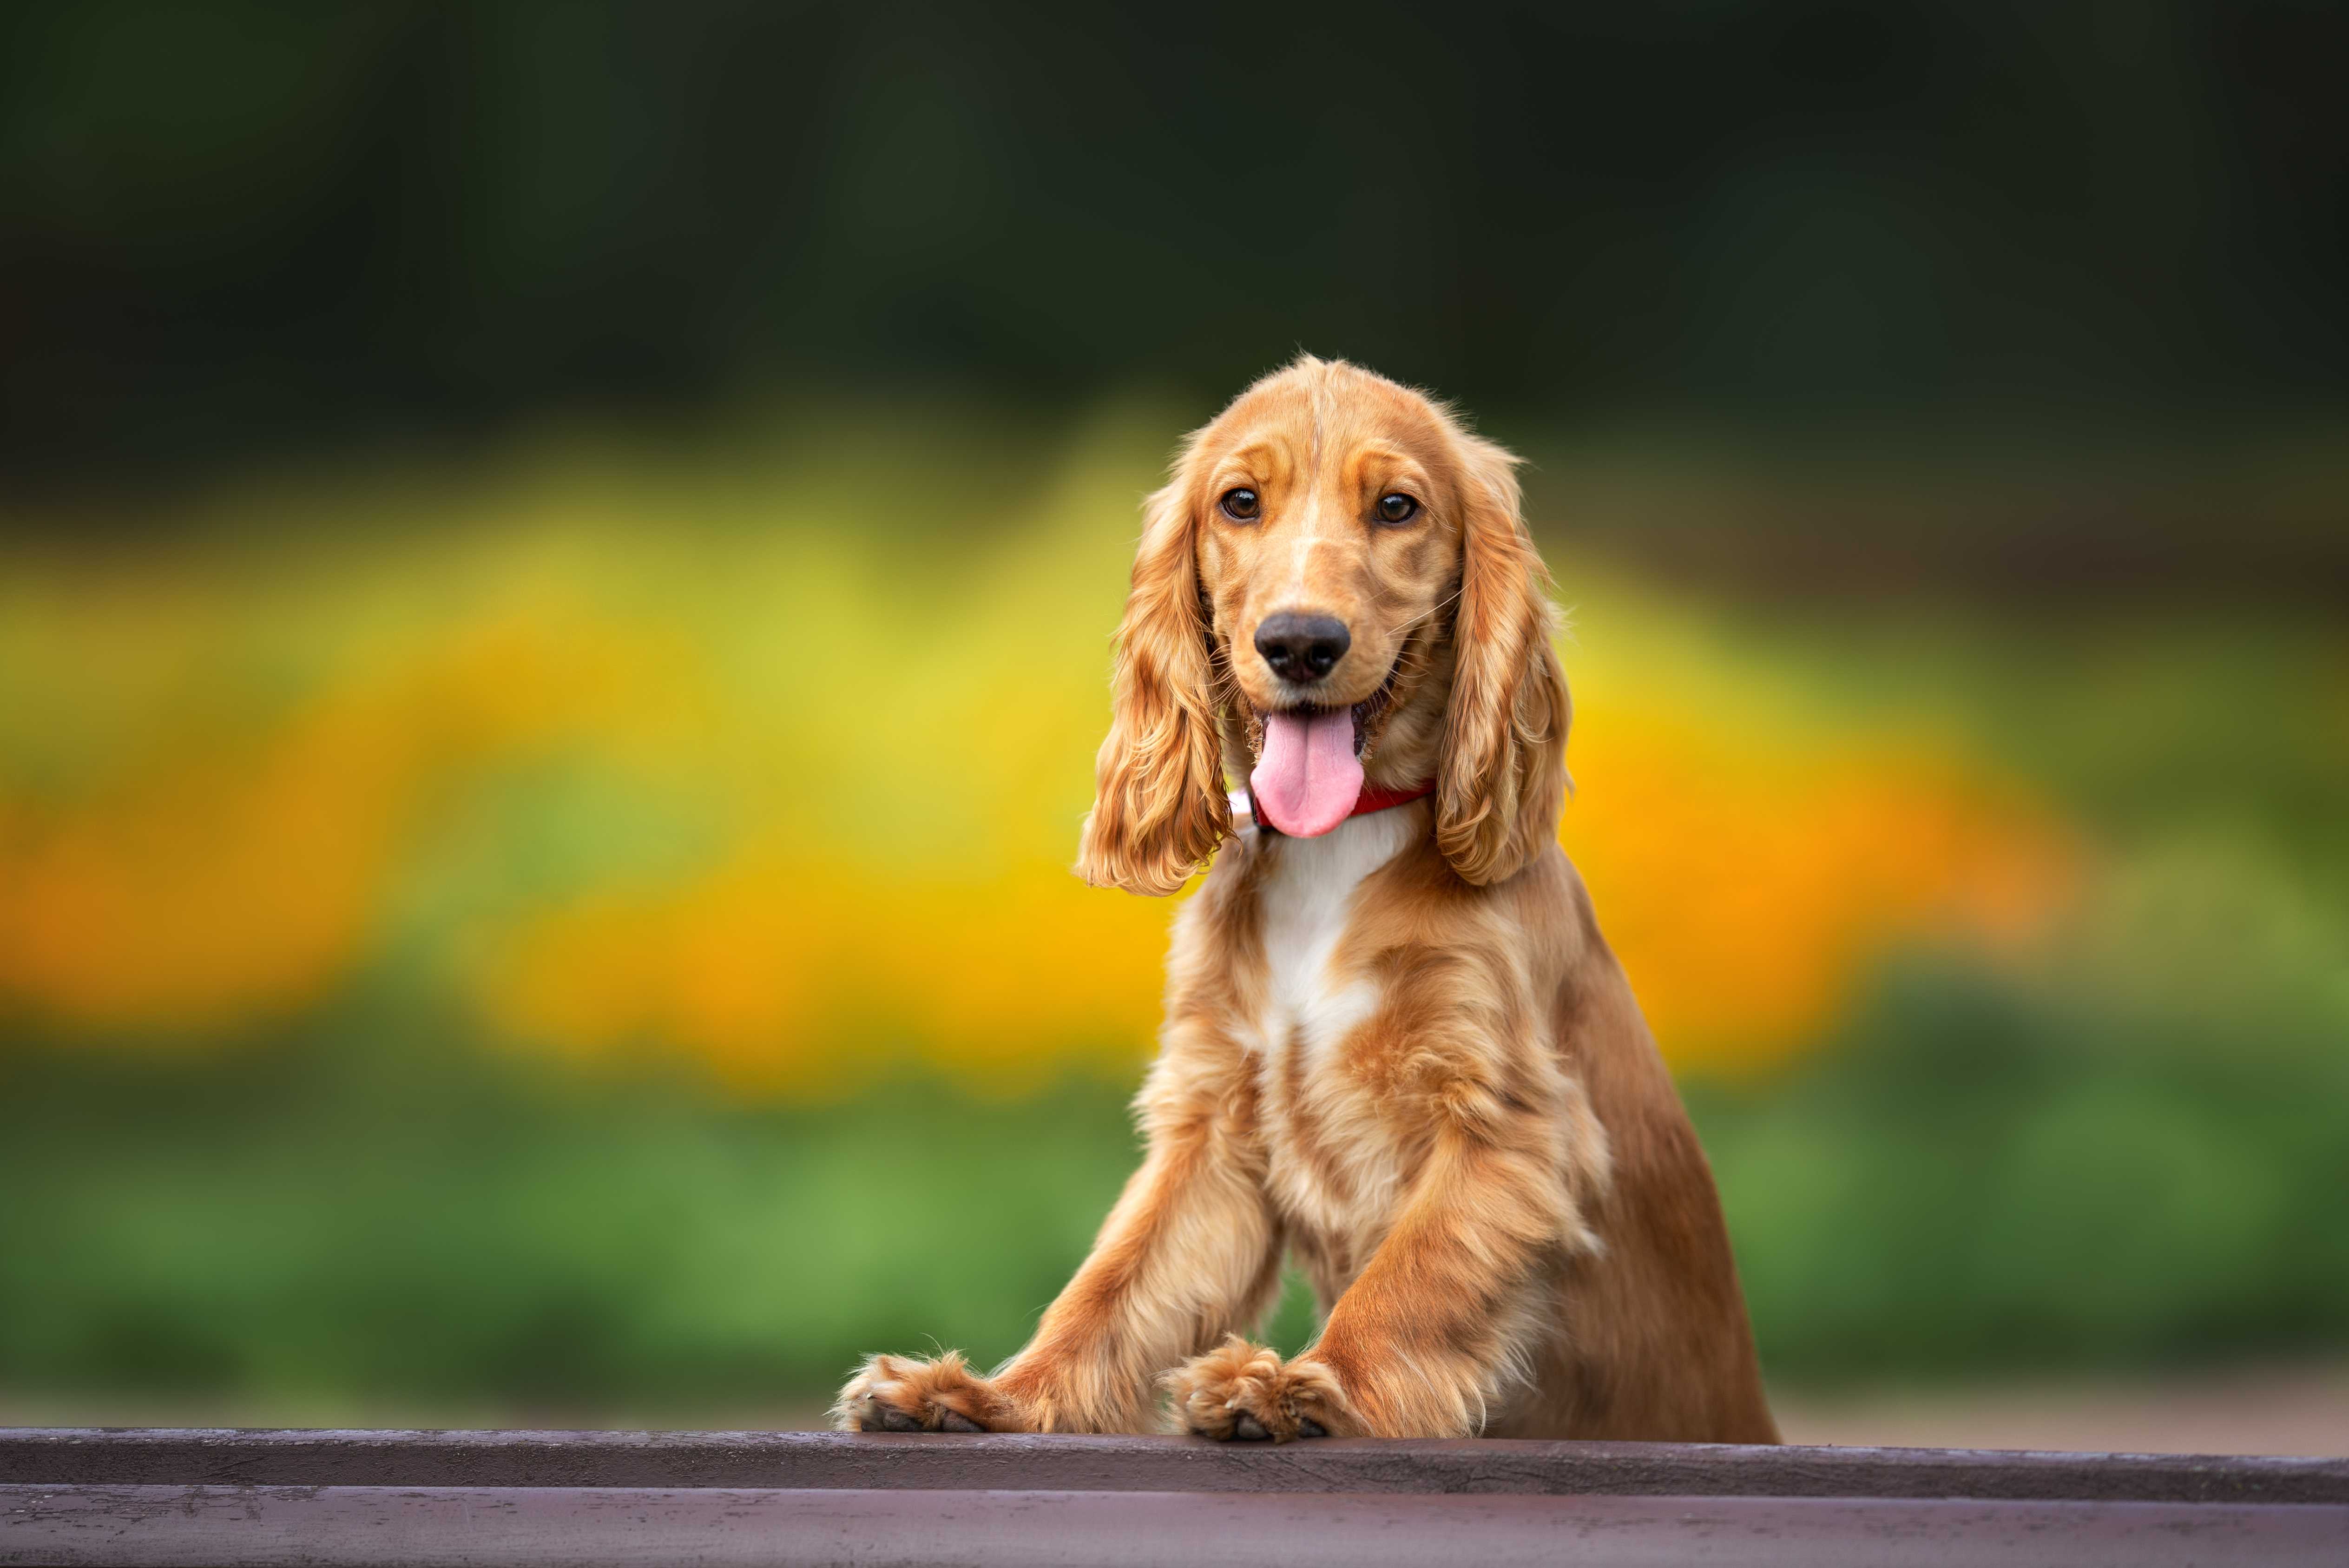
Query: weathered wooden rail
[[102, 1498]]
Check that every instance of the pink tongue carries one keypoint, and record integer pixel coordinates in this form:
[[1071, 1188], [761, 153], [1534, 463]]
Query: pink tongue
[[1308, 778]]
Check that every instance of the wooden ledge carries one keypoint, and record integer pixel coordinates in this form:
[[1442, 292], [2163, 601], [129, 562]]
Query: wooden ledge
[[833, 1462], [141, 1499]]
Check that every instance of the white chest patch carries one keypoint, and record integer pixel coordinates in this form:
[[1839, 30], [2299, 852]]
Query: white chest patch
[[1307, 902]]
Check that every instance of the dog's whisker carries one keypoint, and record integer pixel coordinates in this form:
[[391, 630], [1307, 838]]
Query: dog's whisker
[[1438, 607]]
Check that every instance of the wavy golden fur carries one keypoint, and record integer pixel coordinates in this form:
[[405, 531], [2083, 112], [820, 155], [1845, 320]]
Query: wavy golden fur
[[1399, 1053]]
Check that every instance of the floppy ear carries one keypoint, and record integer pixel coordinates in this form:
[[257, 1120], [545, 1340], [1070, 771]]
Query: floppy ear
[[1159, 805], [1501, 778]]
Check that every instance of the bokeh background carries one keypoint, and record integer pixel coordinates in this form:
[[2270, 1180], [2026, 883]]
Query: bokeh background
[[555, 570]]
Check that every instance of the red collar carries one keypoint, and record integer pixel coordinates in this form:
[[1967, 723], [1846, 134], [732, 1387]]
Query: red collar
[[1369, 801], [1372, 800]]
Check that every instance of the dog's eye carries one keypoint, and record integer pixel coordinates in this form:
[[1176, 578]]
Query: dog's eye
[[1240, 504], [1394, 506]]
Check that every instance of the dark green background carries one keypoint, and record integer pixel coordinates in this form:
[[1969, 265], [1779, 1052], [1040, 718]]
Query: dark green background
[[231, 227]]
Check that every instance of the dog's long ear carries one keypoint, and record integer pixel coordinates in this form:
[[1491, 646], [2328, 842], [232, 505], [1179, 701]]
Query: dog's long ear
[[1502, 779], [1159, 805]]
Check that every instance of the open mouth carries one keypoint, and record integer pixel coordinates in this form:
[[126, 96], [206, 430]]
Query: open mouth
[[1308, 768]]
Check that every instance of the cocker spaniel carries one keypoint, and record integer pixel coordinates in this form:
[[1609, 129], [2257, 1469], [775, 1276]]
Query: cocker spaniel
[[1396, 1047]]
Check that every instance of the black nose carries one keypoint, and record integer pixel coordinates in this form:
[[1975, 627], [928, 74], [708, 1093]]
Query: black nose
[[1302, 648]]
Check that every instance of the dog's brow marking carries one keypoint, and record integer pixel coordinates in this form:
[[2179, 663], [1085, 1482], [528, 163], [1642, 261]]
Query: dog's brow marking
[[1308, 536], [1317, 402], [1311, 533]]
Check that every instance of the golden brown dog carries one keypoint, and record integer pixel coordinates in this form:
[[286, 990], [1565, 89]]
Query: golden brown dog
[[1396, 1046]]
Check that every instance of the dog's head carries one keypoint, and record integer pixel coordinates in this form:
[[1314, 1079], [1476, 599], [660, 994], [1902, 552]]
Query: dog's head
[[1335, 586]]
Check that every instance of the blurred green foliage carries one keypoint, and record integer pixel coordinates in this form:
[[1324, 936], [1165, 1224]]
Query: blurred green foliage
[[1976, 1178], [346, 1214]]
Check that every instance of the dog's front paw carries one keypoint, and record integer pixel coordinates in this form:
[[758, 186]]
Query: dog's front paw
[[1244, 1392], [907, 1394]]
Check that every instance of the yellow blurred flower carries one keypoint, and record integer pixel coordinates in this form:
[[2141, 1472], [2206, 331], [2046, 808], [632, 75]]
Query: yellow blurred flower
[[884, 734]]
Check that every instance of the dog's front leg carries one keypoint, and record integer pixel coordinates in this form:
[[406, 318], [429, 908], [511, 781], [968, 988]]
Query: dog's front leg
[[1426, 1337], [1189, 1253]]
